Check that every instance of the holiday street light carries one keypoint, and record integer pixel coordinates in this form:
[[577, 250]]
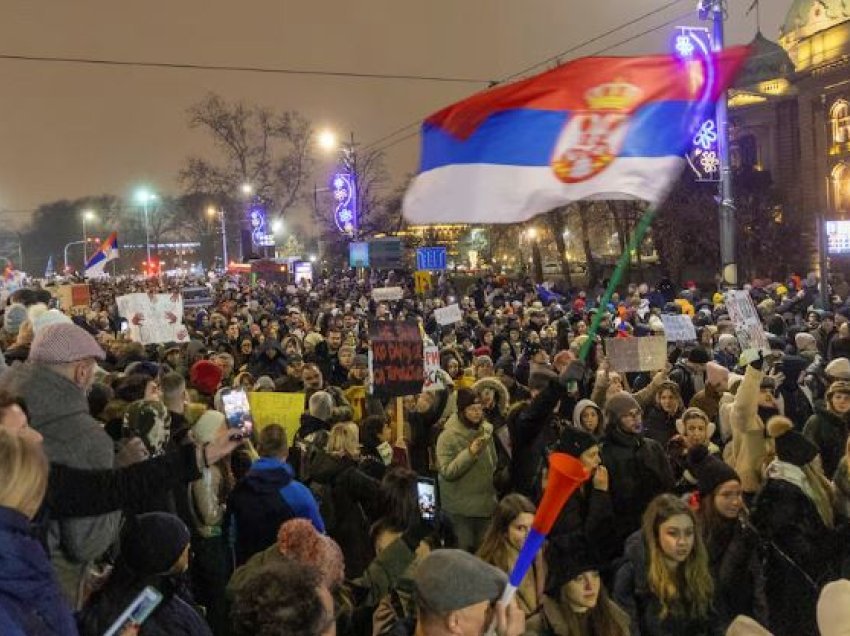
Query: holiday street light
[[212, 211], [145, 196], [88, 215], [345, 186]]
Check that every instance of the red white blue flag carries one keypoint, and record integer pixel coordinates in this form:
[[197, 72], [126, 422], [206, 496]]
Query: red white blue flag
[[604, 128], [108, 251]]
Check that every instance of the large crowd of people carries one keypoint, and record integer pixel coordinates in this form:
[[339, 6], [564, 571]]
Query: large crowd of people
[[717, 499]]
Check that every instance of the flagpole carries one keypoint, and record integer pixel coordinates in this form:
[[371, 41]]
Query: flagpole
[[622, 263]]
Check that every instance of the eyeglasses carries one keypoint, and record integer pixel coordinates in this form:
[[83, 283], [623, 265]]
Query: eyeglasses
[[634, 414]]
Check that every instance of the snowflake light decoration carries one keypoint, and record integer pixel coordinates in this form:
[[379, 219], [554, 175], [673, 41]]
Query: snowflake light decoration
[[684, 46], [707, 135], [710, 161]]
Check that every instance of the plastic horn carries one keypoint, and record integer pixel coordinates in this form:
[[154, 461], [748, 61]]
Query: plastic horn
[[566, 474]]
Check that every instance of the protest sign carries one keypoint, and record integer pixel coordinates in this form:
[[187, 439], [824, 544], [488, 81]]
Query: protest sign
[[277, 408], [433, 381], [196, 297], [636, 354], [153, 318], [71, 296], [748, 330], [395, 358], [678, 328], [448, 315], [422, 282], [381, 294]]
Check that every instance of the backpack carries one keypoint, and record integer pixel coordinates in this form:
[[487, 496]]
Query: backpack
[[305, 450]]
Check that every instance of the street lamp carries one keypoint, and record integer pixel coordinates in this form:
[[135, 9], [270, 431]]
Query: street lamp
[[88, 215], [277, 226], [211, 212], [345, 183], [247, 189], [145, 196], [327, 140]]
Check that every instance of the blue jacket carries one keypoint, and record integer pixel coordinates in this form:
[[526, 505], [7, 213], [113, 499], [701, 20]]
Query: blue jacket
[[31, 603]]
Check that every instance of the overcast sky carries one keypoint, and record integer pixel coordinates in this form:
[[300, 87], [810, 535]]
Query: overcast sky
[[70, 130]]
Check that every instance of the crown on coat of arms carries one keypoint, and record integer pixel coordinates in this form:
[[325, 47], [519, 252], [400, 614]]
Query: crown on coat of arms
[[616, 95]]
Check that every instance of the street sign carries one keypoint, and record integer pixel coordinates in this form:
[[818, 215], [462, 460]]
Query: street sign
[[431, 258], [385, 253]]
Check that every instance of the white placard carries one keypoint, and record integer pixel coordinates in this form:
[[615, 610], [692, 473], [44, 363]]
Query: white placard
[[431, 357], [154, 318], [448, 315], [381, 294], [678, 328], [748, 328]]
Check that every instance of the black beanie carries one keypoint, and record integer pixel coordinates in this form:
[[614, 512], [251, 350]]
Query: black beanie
[[709, 471], [574, 441], [567, 556], [699, 356], [152, 543], [791, 446], [465, 397]]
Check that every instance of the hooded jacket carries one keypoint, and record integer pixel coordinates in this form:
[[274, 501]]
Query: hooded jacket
[[59, 410], [499, 411], [261, 364], [633, 594], [31, 602], [579, 409], [466, 480], [829, 431]]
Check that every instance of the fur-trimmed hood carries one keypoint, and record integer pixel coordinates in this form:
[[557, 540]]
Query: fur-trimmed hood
[[503, 398]]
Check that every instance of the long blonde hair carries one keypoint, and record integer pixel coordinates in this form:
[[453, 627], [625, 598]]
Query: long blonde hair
[[495, 548], [822, 494], [344, 440], [690, 585], [23, 473]]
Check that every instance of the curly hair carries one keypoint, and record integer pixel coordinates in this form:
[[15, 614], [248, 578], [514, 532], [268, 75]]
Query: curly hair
[[281, 599]]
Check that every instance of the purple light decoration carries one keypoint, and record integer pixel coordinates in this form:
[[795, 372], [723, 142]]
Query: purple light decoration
[[345, 202]]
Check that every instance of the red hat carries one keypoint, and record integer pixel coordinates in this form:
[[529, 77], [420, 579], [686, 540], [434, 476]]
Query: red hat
[[205, 376]]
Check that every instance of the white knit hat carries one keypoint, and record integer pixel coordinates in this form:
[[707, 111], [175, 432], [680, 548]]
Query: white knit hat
[[838, 368]]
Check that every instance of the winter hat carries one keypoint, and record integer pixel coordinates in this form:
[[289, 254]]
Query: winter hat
[[49, 317], [699, 355], [64, 343], [620, 404], [805, 341], [321, 405], [539, 378], [361, 361], [724, 340], [694, 412], [465, 398], [716, 374], [506, 366], [568, 556], [207, 427], [839, 386], [574, 441], [14, 317], [472, 581], [791, 446], [833, 609], [151, 422], [264, 383], [299, 540], [205, 376], [143, 367], [483, 361], [709, 471], [151, 543], [746, 626], [838, 368]]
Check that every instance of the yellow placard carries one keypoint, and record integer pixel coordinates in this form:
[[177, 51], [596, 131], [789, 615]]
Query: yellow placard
[[422, 282], [277, 408]]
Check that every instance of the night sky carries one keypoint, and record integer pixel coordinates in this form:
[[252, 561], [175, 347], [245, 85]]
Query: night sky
[[69, 130]]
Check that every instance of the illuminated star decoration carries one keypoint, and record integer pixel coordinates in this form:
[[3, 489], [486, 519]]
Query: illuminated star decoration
[[710, 161], [684, 46], [707, 135]]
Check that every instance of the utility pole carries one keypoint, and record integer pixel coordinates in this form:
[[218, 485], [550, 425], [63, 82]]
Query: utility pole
[[715, 10]]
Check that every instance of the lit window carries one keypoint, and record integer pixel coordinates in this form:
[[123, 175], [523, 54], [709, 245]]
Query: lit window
[[839, 116]]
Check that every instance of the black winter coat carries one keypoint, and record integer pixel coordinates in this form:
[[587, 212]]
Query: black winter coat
[[658, 425], [355, 497], [633, 594], [639, 471], [790, 523], [829, 431], [589, 512]]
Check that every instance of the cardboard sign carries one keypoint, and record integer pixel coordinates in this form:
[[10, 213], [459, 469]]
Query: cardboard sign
[[422, 282], [748, 328], [396, 359], [277, 408], [71, 296], [382, 294], [636, 354], [196, 297], [433, 382], [678, 328], [448, 315], [153, 318]]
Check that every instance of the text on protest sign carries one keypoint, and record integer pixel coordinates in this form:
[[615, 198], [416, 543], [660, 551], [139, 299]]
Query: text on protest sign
[[395, 358], [433, 381], [269, 407], [448, 315], [678, 328], [748, 329], [636, 354], [382, 294]]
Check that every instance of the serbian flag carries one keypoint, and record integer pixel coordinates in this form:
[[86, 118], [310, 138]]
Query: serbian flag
[[108, 251], [605, 128]]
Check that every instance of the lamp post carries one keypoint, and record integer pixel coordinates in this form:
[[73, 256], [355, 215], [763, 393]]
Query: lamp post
[[211, 211], [346, 183], [144, 196], [88, 215], [67, 245]]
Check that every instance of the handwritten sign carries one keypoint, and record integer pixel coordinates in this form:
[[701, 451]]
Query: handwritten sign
[[395, 358], [153, 318], [433, 381], [678, 328], [71, 296], [448, 315], [277, 408], [196, 297], [636, 354], [748, 328], [382, 294], [422, 282]]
